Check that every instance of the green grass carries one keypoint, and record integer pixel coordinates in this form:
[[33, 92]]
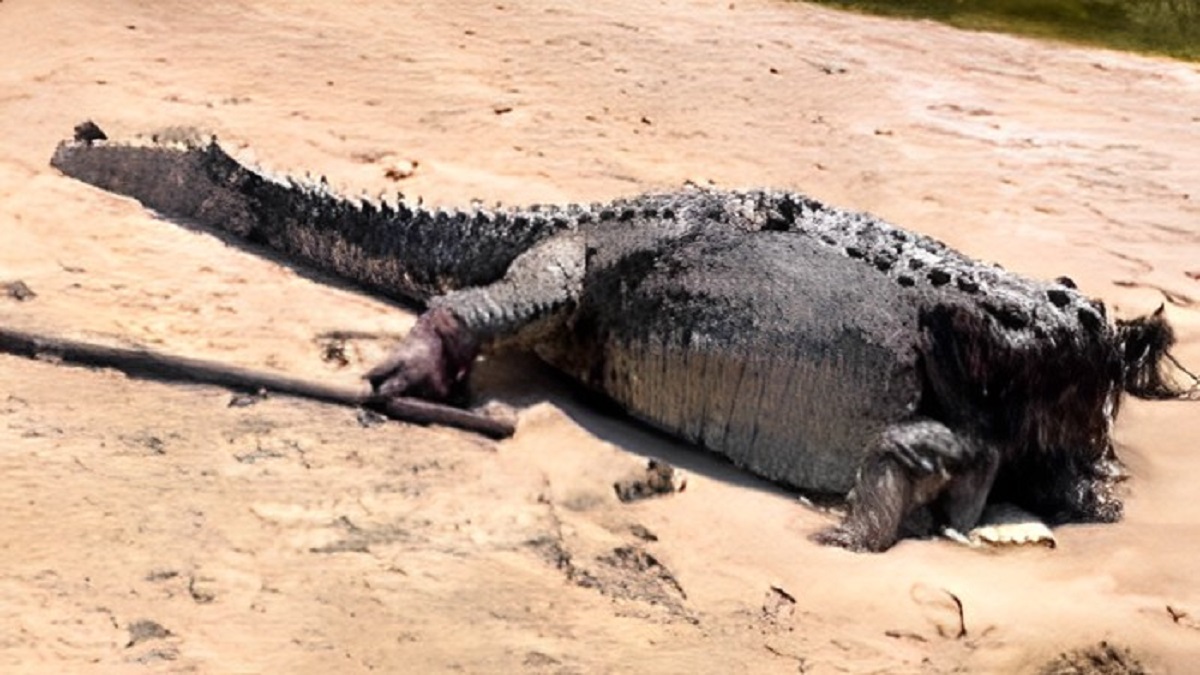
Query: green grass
[[1169, 27]]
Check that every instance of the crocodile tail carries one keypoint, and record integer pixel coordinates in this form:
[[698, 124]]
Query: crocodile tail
[[397, 250]]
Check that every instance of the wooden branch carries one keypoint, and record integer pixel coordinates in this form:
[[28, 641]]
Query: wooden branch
[[146, 364]]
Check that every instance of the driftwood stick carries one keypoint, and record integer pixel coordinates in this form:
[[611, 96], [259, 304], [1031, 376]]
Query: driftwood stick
[[152, 365]]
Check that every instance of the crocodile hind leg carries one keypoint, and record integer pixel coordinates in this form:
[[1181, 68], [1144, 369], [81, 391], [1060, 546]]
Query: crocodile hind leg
[[917, 463], [435, 359]]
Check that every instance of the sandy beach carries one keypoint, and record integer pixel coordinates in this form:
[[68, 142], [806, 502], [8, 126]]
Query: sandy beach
[[151, 527]]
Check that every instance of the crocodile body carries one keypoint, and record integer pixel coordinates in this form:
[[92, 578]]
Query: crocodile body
[[820, 348]]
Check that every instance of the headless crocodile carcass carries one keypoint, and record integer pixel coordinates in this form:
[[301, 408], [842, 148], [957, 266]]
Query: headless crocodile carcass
[[819, 348]]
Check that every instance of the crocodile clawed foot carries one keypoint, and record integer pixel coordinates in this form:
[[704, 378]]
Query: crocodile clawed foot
[[433, 361]]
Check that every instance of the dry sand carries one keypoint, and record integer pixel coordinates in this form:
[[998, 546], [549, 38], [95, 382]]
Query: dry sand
[[149, 527]]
